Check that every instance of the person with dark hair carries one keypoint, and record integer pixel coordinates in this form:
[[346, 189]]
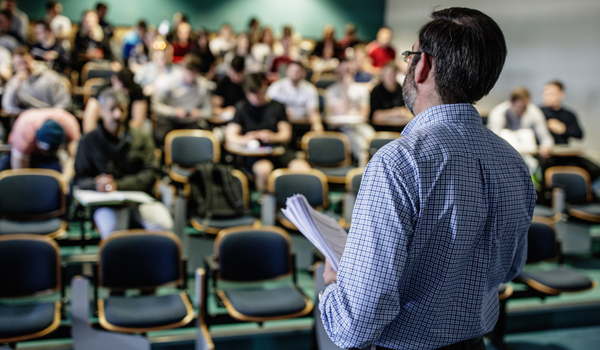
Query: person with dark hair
[[61, 25], [36, 137], [182, 44], [19, 24], [160, 66], [134, 45], [388, 112], [442, 215], [202, 50], [115, 157], [7, 39], [254, 31], [561, 122], [33, 86], [137, 110], [229, 91], [55, 53], [224, 42], [299, 96], [327, 47], [380, 50], [90, 42], [519, 113], [182, 100], [101, 10], [259, 121], [349, 39]]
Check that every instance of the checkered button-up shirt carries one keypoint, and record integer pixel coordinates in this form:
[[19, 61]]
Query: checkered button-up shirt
[[440, 221]]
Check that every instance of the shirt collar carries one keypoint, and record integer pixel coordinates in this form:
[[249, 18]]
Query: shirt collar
[[449, 113]]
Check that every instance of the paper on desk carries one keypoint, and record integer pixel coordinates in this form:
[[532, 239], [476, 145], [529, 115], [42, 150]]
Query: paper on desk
[[321, 230], [87, 197]]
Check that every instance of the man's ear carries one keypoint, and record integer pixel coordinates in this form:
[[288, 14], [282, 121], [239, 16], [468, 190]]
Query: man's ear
[[422, 69]]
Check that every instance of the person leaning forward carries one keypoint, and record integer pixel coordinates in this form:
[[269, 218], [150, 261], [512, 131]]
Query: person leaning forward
[[442, 213]]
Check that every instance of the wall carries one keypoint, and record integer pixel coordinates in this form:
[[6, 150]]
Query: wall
[[547, 39], [306, 16]]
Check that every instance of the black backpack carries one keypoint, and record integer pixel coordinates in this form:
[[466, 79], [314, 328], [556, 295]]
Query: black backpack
[[215, 192]]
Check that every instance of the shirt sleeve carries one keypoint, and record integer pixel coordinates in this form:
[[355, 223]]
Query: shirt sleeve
[[365, 299], [496, 118], [539, 125], [573, 129]]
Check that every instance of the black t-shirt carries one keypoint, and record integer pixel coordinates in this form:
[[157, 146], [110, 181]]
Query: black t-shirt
[[231, 92], [570, 121], [61, 47], [381, 98], [253, 118]]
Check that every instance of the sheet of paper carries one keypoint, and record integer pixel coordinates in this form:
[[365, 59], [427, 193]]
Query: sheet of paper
[[88, 197], [321, 230]]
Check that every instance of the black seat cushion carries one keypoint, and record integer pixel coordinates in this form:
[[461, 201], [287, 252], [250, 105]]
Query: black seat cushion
[[267, 302], [32, 227], [19, 320], [560, 279], [145, 311]]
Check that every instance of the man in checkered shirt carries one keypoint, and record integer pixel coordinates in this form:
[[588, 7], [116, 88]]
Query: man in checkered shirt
[[442, 213]]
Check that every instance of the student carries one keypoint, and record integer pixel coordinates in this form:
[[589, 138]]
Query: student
[[55, 53], [388, 112], [261, 121], [229, 90], [115, 157]]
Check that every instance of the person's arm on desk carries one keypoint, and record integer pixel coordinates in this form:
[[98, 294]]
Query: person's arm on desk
[[282, 136], [365, 299]]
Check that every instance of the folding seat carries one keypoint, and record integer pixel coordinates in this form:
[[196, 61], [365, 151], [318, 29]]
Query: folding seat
[[329, 151], [32, 201]]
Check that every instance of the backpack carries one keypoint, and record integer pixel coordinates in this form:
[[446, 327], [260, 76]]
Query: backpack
[[215, 192]]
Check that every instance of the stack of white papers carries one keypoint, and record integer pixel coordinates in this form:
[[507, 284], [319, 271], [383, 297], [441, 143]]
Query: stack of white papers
[[321, 230], [87, 197]]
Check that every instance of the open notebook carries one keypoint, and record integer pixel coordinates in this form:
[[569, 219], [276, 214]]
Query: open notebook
[[321, 230], [87, 197]]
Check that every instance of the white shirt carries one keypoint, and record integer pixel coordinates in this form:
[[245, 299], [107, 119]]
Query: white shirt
[[353, 97], [533, 118], [218, 46], [300, 99]]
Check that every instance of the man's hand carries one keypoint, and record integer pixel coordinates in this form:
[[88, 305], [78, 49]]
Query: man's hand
[[266, 136], [195, 113], [556, 126], [180, 113], [105, 183], [545, 151], [329, 275], [50, 55]]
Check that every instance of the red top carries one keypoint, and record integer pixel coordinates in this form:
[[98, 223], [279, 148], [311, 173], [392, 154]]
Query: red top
[[380, 55], [180, 50]]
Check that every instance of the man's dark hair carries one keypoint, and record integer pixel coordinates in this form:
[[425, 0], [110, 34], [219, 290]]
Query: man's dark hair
[[50, 5], [44, 24], [238, 63], [192, 62], [7, 13], [100, 5], [519, 94], [125, 76], [558, 84], [20, 50], [469, 51], [253, 82], [142, 24]]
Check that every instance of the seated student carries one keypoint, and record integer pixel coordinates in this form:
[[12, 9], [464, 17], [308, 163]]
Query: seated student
[[61, 25], [281, 61], [19, 26], [229, 90], [387, 104], [90, 42], [380, 50], [7, 39], [300, 98], [138, 104], [263, 50], [36, 137], [136, 44], [348, 98], [182, 101], [224, 42], [242, 48], [562, 123], [259, 121], [115, 157], [519, 113], [563, 126], [159, 67], [182, 45], [107, 28], [33, 86], [202, 50], [55, 53]]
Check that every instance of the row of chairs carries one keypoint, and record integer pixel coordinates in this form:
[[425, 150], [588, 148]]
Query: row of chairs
[[142, 261]]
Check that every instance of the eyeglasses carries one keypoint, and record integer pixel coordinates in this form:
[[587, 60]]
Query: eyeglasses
[[407, 55]]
